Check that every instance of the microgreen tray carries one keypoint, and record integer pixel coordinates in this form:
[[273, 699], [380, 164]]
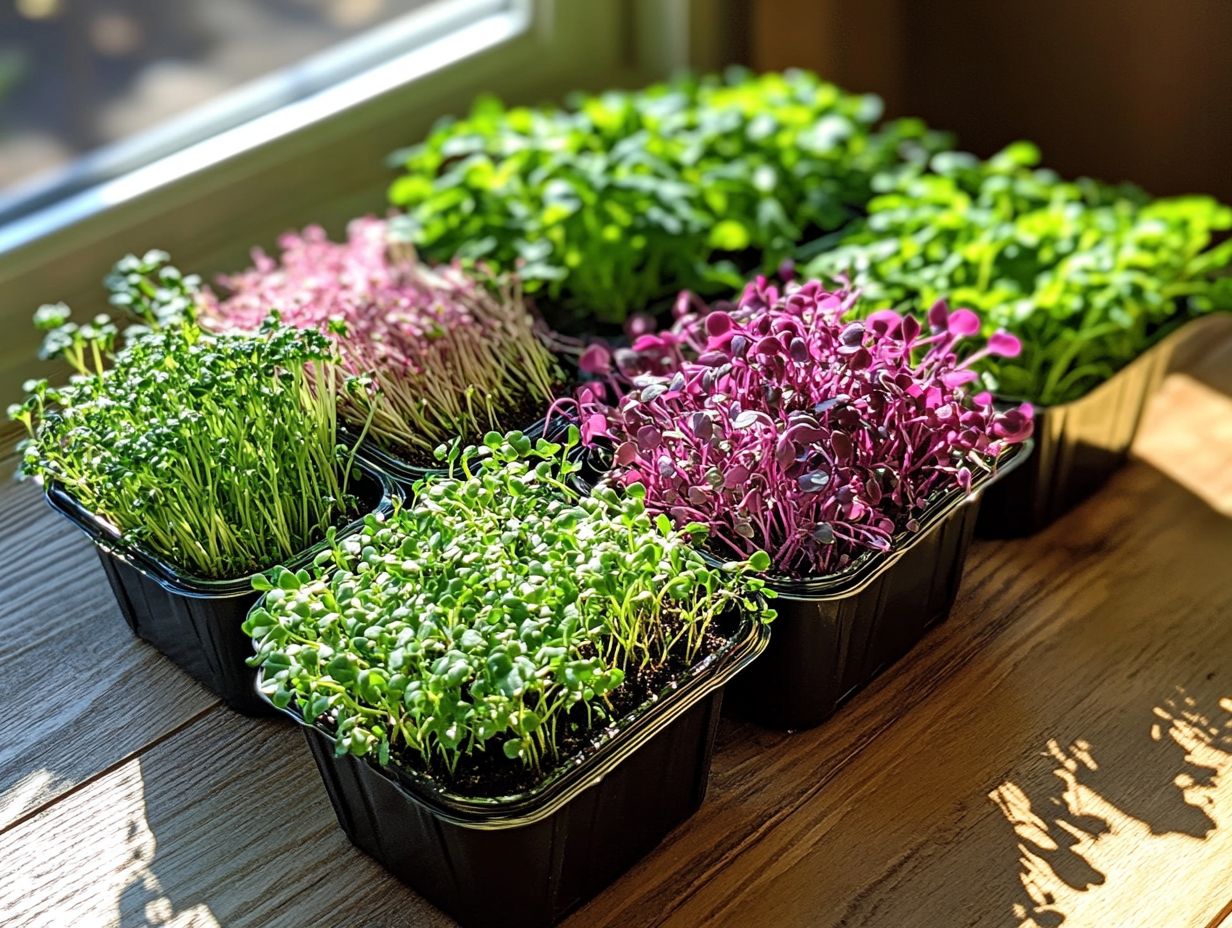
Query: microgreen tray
[[1079, 445], [834, 634], [530, 858], [193, 621]]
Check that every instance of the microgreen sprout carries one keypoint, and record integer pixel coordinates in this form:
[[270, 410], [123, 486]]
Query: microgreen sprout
[[784, 424], [449, 353], [496, 618], [624, 198], [1087, 276], [213, 452]]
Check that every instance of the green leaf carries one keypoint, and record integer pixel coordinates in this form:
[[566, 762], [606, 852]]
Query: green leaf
[[729, 235]]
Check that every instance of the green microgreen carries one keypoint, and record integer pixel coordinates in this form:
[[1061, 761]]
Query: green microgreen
[[214, 452], [1086, 275], [500, 614], [624, 198]]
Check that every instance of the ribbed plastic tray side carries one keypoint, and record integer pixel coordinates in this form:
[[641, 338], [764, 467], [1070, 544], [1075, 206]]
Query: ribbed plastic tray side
[[1079, 445], [202, 637], [529, 874], [195, 623], [824, 649]]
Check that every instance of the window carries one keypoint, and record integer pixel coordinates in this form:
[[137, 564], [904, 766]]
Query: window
[[97, 88], [307, 143], [78, 76]]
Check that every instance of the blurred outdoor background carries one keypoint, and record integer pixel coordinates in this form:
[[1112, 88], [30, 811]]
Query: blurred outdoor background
[[79, 74], [1121, 89]]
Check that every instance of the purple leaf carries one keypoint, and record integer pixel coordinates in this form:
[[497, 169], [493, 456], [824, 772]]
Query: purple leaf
[[840, 443], [852, 334], [648, 438], [653, 391], [828, 437], [702, 425], [957, 378], [785, 451], [596, 359], [813, 482], [964, 322], [823, 533], [594, 426], [860, 360], [718, 324], [1004, 345], [910, 329], [938, 316], [736, 476]]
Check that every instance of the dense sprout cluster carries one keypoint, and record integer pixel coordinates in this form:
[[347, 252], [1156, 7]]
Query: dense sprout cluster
[[214, 452], [449, 353], [784, 425], [1088, 276], [499, 613], [624, 198]]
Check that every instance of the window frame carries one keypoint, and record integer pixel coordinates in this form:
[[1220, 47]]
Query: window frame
[[222, 185]]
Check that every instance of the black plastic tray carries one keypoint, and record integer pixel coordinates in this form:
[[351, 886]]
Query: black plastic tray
[[1079, 445], [836, 633], [528, 860], [195, 622], [405, 474]]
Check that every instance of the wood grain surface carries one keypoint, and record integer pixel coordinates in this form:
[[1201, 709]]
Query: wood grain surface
[[1058, 753], [80, 693]]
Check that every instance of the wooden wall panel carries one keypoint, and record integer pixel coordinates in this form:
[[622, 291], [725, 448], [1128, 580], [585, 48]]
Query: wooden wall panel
[[1135, 90]]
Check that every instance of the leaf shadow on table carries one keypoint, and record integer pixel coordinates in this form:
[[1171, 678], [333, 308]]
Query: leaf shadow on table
[[1078, 701], [1152, 778], [1152, 760]]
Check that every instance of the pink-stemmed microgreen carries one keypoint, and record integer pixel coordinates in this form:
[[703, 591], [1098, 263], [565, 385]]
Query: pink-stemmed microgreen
[[450, 353], [783, 424]]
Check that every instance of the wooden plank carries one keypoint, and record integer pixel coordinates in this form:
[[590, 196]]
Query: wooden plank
[[81, 693], [225, 823], [1059, 751]]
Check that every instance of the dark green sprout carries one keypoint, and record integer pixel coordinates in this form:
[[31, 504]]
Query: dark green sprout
[[1086, 275]]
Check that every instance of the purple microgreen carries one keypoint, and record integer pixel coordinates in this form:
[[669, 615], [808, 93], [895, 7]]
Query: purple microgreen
[[784, 424]]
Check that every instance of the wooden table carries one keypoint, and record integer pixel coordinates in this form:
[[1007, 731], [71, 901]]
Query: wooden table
[[1059, 752]]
